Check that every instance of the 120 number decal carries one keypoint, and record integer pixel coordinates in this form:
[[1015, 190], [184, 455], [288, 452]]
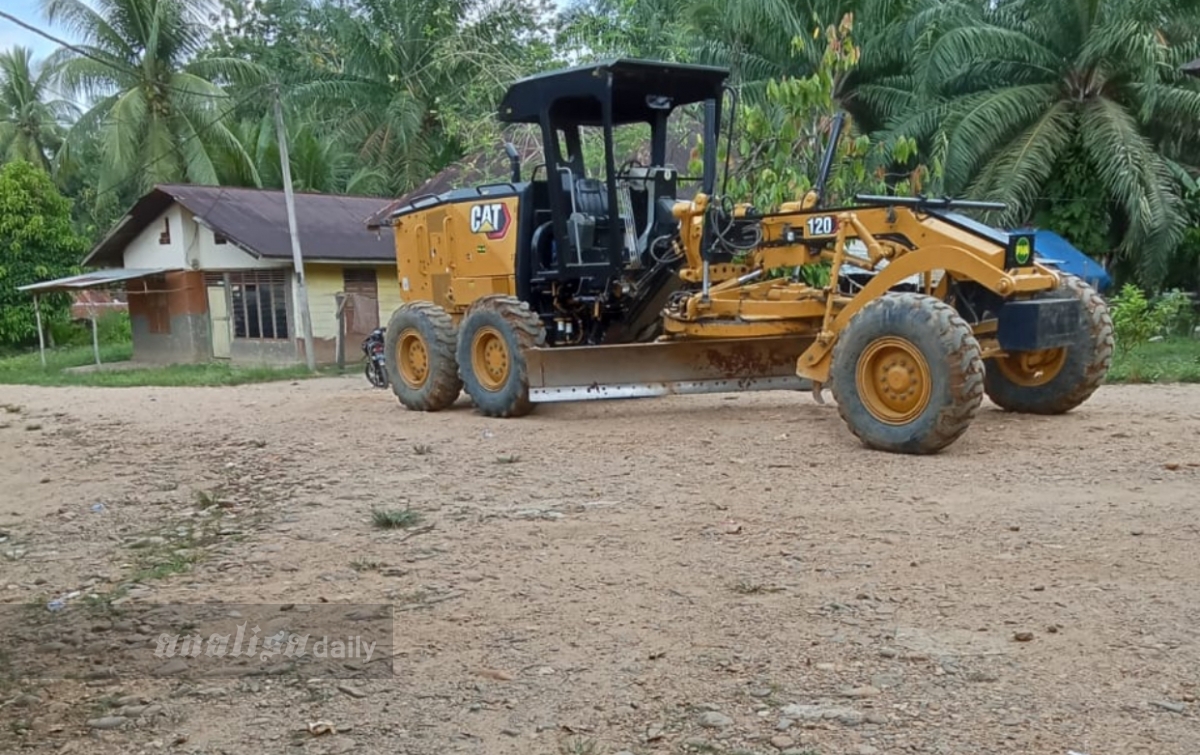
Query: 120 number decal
[[822, 225]]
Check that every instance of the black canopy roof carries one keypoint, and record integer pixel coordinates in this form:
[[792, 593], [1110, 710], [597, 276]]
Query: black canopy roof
[[576, 93]]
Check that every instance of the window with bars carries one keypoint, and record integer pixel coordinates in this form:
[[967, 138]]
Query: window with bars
[[258, 304]]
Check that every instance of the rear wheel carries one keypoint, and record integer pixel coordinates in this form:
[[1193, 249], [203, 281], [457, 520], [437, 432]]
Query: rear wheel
[[420, 357], [1055, 381], [492, 339], [907, 374]]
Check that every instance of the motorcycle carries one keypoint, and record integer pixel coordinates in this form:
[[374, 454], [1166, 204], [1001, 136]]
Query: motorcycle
[[375, 352]]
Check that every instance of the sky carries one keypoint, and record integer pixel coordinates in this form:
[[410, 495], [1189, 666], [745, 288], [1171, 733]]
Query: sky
[[30, 12]]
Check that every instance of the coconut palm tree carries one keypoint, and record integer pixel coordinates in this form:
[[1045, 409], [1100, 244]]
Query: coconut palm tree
[[32, 120], [156, 108], [414, 80], [1016, 89], [320, 161]]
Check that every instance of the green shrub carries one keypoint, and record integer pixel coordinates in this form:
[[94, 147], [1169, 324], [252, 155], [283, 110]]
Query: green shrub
[[1137, 319]]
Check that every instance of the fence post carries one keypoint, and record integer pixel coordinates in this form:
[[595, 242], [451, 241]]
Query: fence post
[[340, 342]]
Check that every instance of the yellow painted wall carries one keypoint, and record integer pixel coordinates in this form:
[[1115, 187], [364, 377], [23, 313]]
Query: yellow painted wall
[[325, 282], [389, 292]]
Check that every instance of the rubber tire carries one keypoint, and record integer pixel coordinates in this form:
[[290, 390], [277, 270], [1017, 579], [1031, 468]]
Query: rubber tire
[[443, 386], [374, 376], [1087, 362], [955, 365], [521, 329]]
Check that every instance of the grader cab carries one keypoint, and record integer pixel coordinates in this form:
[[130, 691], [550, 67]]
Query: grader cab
[[570, 286]]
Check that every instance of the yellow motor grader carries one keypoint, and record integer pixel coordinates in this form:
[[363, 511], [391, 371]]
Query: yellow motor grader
[[567, 286]]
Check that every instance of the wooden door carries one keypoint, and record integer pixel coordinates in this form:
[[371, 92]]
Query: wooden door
[[218, 319], [362, 302]]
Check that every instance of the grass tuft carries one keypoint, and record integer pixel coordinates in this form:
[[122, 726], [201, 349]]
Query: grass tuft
[[26, 369], [395, 519], [1175, 360]]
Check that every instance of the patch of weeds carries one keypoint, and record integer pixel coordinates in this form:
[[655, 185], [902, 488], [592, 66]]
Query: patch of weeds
[[747, 586], [422, 449], [207, 499], [395, 519], [102, 705], [176, 562], [579, 746], [365, 564], [508, 459], [315, 694], [416, 596]]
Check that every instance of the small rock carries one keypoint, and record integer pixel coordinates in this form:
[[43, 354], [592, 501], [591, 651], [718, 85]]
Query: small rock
[[698, 743], [510, 732], [1188, 698], [784, 724], [715, 720], [982, 676], [887, 653], [865, 749], [1137, 533], [654, 732], [760, 692], [341, 744], [859, 692], [1023, 636], [876, 719], [148, 542], [781, 742], [850, 718], [886, 680], [1171, 465], [107, 722], [175, 665], [351, 691], [1169, 706]]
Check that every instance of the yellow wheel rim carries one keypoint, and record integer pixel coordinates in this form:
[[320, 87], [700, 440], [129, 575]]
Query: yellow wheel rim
[[490, 359], [1032, 368], [412, 358], [894, 380]]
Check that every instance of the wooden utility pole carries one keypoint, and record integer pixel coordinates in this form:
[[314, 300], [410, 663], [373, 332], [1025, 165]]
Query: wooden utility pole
[[297, 260]]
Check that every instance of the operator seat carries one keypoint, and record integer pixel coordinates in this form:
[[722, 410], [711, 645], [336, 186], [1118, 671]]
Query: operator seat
[[591, 197]]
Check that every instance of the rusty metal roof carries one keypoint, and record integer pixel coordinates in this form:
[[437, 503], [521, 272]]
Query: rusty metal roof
[[331, 227], [96, 279]]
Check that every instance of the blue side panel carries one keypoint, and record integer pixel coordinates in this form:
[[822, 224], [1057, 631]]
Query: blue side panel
[[1055, 251]]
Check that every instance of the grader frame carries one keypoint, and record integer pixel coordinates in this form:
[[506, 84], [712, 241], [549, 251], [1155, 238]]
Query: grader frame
[[906, 362]]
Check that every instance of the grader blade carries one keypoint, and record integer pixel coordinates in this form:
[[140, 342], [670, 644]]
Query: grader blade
[[663, 368]]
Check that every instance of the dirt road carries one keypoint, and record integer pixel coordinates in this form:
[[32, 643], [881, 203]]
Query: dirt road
[[704, 574]]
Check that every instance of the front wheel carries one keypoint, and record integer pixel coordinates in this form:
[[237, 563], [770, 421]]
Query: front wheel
[[492, 339], [907, 374], [1055, 381]]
